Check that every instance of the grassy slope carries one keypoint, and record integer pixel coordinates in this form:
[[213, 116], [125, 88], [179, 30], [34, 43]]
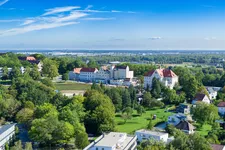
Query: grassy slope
[[72, 86], [139, 122]]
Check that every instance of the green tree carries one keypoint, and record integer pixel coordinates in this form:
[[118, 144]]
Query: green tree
[[17, 146], [147, 98], [28, 146], [81, 140], [150, 125], [25, 116], [210, 113], [50, 68], [100, 113], [34, 73], [140, 110], [65, 76], [126, 100]]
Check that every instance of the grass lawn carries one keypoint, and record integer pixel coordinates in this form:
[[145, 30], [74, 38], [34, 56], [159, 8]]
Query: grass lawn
[[72, 86], [204, 130], [138, 122]]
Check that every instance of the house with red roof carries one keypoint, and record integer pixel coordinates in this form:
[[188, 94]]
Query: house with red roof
[[88, 74], [221, 108], [165, 76]]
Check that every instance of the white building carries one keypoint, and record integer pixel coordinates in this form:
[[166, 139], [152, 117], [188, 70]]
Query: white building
[[213, 91], [121, 72], [74, 75], [147, 135], [201, 98], [6, 134], [88, 74], [103, 75], [113, 141], [165, 76], [221, 108]]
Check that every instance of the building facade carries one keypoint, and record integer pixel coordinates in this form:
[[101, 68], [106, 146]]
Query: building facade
[[6, 134], [201, 98], [221, 108], [113, 141], [147, 135], [88, 74], [167, 77]]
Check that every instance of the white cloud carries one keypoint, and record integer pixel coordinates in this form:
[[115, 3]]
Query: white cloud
[[98, 19], [27, 22], [210, 38], [60, 10], [155, 38], [116, 11], [88, 7], [36, 27], [3, 2]]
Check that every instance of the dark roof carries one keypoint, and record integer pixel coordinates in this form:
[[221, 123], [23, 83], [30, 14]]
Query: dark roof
[[221, 104], [150, 73], [88, 70], [217, 147], [34, 61], [185, 125], [6, 127], [200, 97]]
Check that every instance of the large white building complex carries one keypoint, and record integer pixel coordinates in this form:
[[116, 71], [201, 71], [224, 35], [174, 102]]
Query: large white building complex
[[166, 76], [6, 134], [116, 75], [113, 141]]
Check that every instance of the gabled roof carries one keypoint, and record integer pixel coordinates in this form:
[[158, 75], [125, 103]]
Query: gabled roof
[[217, 147], [221, 104], [34, 61], [185, 125], [77, 70], [200, 97], [163, 73], [149, 73], [88, 69]]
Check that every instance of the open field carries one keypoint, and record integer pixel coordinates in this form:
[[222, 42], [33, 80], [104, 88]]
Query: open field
[[72, 86], [139, 122]]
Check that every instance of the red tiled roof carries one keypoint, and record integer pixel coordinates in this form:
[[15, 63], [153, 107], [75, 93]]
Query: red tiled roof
[[162, 73], [217, 147], [221, 104], [77, 70], [30, 58], [88, 70]]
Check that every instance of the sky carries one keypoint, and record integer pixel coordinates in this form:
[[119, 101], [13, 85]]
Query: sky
[[112, 24]]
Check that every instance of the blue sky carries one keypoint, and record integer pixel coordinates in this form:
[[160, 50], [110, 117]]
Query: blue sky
[[112, 24]]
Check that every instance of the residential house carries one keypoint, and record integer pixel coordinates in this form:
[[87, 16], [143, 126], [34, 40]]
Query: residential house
[[183, 108], [6, 134], [221, 108], [166, 76], [201, 98], [185, 126], [27, 58], [148, 134], [74, 75], [38, 63], [177, 118], [217, 147], [213, 91], [114, 141], [88, 74]]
